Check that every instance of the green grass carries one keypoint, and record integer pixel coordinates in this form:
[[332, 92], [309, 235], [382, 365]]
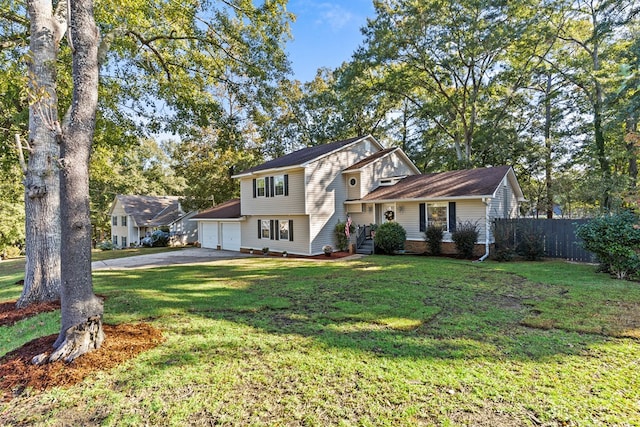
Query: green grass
[[379, 341]]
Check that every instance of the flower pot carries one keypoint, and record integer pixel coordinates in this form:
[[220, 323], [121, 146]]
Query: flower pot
[[327, 254]]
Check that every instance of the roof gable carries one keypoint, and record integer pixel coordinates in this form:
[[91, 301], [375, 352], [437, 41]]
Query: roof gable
[[480, 182], [301, 157]]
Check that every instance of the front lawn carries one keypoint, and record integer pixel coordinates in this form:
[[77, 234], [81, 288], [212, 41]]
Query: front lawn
[[377, 341]]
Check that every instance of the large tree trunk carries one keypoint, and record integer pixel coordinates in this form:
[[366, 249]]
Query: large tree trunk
[[81, 329], [42, 206]]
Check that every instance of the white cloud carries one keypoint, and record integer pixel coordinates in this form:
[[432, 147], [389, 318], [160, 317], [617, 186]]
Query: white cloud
[[334, 16]]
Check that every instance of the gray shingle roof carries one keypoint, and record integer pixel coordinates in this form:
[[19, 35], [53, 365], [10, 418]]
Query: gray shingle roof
[[301, 156], [461, 183], [151, 211]]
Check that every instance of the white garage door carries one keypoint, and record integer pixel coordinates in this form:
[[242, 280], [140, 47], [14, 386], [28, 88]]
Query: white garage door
[[231, 236], [209, 236]]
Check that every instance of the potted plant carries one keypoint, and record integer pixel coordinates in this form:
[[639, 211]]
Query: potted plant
[[327, 249], [284, 254], [265, 250], [251, 251]]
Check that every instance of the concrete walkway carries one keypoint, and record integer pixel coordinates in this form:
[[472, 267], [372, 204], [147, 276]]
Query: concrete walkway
[[182, 256]]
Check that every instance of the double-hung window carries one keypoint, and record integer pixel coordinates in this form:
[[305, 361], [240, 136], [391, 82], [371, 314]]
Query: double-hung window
[[284, 230], [265, 229], [260, 186], [278, 185], [437, 215], [114, 220], [123, 221]]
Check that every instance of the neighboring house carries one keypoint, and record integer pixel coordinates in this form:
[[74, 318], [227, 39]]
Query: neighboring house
[[293, 203], [134, 217]]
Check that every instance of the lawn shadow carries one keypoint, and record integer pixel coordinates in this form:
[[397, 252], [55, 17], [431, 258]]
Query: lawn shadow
[[391, 310]]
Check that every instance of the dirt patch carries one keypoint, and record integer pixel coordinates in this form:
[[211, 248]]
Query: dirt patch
[[9, 314], [122, 343]]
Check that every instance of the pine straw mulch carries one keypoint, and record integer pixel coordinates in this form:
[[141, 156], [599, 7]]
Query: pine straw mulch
[[122, 342]]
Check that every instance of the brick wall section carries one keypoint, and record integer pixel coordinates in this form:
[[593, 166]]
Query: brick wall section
[[448, 248]]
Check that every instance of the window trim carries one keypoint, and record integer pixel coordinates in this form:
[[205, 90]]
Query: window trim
[[353, 181], [278, 184], [445, 219], [263, 188]]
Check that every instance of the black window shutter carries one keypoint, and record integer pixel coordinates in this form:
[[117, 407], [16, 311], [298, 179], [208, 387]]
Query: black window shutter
[[286, 184], [423, 217], [259, 229], [290, 230], [271, 229], [254, 188], [277, 227], [271, 183], [452, 216], [266, 187]]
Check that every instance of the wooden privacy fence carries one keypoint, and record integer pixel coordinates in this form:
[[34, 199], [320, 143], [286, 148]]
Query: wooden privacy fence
[[559, 236]]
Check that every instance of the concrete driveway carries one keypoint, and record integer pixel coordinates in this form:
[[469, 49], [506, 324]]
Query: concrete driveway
[[182, 256]]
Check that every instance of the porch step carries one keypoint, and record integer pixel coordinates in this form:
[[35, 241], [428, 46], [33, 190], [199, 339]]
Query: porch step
[[366, 248]]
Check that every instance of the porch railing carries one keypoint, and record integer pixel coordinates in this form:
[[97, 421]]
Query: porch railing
[[361, 236]]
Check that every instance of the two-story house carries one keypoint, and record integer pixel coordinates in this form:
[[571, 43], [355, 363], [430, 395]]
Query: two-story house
[[292, 203], [133, 217]]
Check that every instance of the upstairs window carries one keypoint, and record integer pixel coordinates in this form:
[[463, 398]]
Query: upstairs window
[[271, 186], [123, 221], [260, 186], [278, 185], [114, 220]]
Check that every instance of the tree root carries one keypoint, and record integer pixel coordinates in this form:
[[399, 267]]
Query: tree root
[[79, 339]]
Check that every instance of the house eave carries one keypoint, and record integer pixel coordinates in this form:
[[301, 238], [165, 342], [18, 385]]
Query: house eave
[[419, 199], [240, 219], [268, 171]]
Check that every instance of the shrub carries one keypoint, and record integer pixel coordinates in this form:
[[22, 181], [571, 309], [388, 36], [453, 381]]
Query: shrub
[[505, 247], [433, 236], [105, 245], [465, 238], [342, 243], [530, 244], [615, 240], [390, 237]]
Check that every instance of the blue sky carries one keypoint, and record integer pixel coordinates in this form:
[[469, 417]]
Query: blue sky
[[325, 34]]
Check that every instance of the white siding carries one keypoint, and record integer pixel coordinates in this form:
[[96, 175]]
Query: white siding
[[299, 245], [386, 167], [498, 208], [292, 204], [473, 211], [130, 231], [408, 216], [353, 191], [326, 192]]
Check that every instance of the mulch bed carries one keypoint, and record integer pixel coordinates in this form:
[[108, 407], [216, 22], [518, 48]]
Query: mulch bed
[[122, 343]]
